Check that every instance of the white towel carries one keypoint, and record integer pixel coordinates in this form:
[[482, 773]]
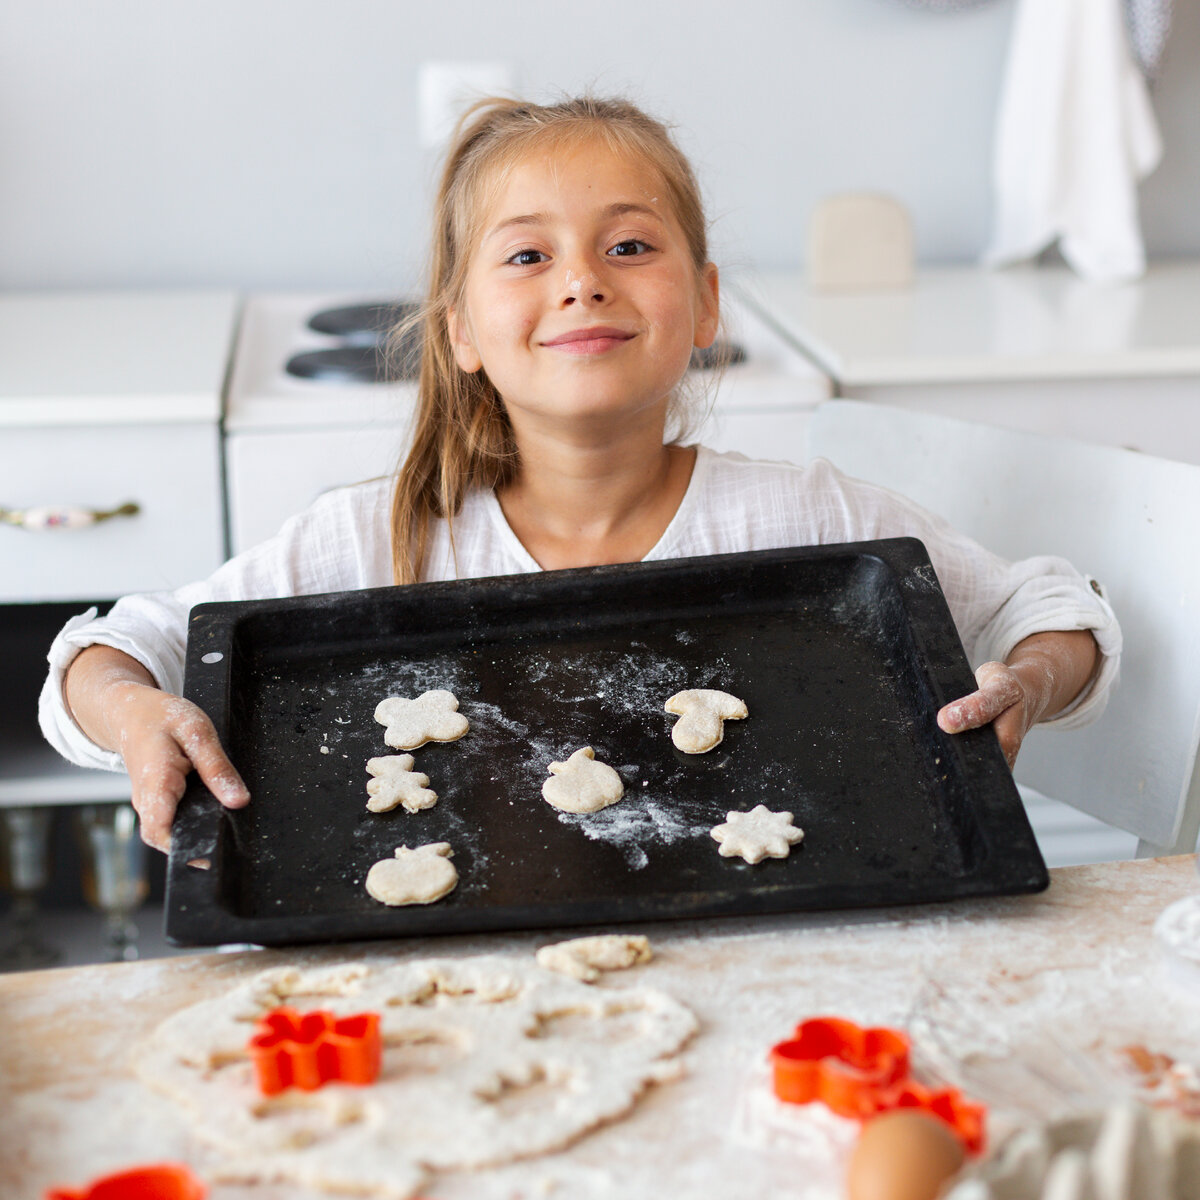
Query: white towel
[[1075, 134]]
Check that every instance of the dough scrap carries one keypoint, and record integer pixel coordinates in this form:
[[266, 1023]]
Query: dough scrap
[[586, 957], [431, 717], [582, 784], [418, 876], [702, 715], [486, 1060], [395, 782], [757, 834]]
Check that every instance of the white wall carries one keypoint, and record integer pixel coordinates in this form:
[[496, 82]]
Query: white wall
[[273, 143]]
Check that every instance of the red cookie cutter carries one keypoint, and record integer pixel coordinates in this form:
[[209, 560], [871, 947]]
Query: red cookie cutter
[[837, 1062], [308, 1050], [162, 1181], [861, 1073], [948, 1105]]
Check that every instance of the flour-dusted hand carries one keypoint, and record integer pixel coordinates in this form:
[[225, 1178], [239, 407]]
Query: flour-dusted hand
[[1043, 674], [161, 737]]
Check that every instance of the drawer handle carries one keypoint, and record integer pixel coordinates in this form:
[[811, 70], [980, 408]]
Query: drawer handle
[[38, 520]]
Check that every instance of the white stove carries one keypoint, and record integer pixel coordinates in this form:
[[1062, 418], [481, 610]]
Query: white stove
[[289, 437]]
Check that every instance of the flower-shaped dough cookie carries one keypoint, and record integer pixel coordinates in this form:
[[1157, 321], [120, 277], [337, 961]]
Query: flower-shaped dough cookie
[[431, 717], [702, 715], [395, 782], [757, 834], [418, 876], [581, 784]]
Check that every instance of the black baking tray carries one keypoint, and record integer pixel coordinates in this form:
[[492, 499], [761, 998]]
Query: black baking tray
[[842, 653]]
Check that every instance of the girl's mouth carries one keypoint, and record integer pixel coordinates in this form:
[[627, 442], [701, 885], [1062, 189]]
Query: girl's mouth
[[595, 339]]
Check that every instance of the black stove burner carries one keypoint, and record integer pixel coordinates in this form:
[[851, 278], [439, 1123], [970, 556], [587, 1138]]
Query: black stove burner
[[361, 353], [362, 324], [341, 364], [719, 354]]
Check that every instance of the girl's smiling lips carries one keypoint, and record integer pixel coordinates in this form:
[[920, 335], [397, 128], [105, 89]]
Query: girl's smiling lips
[[593, 339]]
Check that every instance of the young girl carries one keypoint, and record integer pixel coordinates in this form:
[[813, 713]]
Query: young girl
[[570, 282]]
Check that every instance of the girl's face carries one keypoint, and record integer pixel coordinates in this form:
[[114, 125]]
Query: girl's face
[[581, 298]]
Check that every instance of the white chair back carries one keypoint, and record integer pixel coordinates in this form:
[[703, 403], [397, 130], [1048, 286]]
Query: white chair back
[[1129, 520]]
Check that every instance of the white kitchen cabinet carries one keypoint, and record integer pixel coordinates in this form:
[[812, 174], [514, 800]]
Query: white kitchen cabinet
[[1031, 348], [106, 399]]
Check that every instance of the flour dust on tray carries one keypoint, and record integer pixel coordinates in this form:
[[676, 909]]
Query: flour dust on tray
[[582, 784], [431, 717], [394, 782], [418, 876], [757, 834], [486, 1060]]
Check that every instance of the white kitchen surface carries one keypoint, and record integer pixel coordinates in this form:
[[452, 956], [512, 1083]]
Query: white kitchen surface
[[87, 358], [1027, 995], [965, 323]]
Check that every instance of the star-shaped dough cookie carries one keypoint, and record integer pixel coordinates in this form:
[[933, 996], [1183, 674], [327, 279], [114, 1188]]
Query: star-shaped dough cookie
[[431, 717], [395, 782], [757, 834], [702, 715], [418, 876], [581, 784]]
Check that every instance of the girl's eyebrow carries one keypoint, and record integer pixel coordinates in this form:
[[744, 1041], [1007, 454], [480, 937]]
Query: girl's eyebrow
[[620, 209]]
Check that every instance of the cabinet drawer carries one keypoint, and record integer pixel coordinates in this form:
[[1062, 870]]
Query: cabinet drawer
[[172, 472]]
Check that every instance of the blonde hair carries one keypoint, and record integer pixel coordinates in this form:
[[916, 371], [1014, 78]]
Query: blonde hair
[[463, 438]]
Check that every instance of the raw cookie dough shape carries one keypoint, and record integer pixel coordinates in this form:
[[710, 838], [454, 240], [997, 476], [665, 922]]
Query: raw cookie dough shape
[[582, 784], [486, 1060], [418, 876], [757, 834], [586, 957], [396, 783], [431, 717], [702, 715]]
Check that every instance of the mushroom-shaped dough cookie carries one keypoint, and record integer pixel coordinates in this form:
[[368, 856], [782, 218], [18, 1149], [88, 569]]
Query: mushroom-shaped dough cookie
[[431, 717], [757, 834], [418, 876], [395, 782], [702, 715], [581, 784]]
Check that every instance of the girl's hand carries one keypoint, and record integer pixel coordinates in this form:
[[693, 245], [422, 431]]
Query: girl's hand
[[1000, 701], [1043, 674], [161, 737]]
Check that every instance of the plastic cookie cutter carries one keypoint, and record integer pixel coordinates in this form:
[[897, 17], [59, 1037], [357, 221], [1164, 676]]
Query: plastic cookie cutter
[[308, 1050], [162, 1181], [846, 1067], [965, 1118]]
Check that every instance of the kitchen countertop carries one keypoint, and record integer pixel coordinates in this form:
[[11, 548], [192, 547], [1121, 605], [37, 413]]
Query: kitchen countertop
[[101, 358], [968, 323], [1078, 958]]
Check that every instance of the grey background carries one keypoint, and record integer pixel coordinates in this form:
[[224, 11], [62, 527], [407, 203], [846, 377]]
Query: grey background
[[274, 143]]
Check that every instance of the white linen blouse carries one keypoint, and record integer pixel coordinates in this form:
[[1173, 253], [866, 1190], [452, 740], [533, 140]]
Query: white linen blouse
[[732, 503]]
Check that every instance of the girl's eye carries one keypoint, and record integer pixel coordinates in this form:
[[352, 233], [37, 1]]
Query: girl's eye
[[527, 258], [629, 248]]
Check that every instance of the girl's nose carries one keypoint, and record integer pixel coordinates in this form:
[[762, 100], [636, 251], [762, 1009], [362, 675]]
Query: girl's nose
[[582, 287]]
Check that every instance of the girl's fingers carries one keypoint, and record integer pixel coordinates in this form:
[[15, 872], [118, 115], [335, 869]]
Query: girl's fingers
[[999, 689], [199, 742], [157, 787], [1010, 732]]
